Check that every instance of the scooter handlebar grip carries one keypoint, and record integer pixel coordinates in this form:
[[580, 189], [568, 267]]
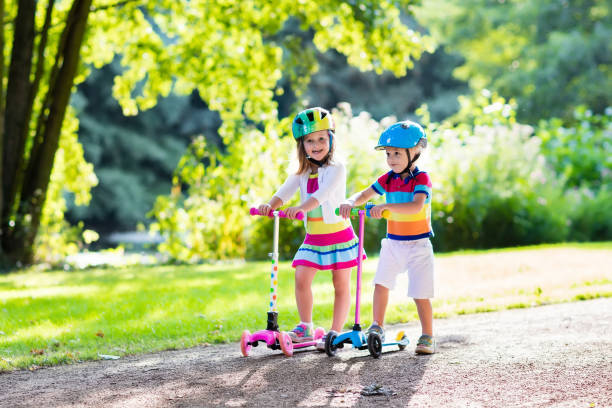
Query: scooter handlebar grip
[[386, 214], [354, 211], [298, 216], [281, 214]]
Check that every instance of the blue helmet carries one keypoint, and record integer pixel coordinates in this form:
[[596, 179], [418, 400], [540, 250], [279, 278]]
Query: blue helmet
[[404, 134]]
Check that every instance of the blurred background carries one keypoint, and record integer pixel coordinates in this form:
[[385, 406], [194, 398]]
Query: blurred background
[[179, 118]]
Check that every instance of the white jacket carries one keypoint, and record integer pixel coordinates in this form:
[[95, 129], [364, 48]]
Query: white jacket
[[331, 192]]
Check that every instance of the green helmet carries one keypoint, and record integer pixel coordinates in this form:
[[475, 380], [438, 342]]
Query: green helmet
[[311, 120]]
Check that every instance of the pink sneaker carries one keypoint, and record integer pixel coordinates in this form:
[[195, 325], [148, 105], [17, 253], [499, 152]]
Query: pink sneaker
[[301, 333]]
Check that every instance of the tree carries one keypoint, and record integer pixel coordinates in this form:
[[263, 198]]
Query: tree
[[32, 126], [227, 50], [551, 56], [134, 156]]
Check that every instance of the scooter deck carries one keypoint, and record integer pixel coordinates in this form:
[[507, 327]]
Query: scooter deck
[[275, 340], [358, 340], [305, 344], [375, 344], [270, 337], [404, 342], [355, 337]]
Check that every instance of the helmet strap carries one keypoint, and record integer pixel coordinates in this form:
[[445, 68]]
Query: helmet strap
[[317, 162], [411, 161]]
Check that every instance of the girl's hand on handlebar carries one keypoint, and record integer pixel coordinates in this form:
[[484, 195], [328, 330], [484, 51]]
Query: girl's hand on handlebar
[[377, 211], [264, 209], [345, 210], [292, 212]]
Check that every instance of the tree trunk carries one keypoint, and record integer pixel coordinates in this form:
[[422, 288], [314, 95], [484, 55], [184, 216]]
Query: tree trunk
[[2, 224], [17, 96], [33, 91], [19, 241]]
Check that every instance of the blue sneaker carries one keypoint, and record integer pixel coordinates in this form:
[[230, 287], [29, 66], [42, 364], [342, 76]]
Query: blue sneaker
[[374, 328], [425, 345]]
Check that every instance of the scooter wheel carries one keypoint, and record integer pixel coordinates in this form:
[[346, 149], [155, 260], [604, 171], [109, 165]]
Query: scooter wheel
[[286, 344], [319, 333], [402, 344], [375, 345], [330, 348], [245, 347]]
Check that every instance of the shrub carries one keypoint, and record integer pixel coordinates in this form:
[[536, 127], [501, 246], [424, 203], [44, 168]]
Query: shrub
[[493, 183], [493, 189], [590, 214], [581, 150], [206, 215]]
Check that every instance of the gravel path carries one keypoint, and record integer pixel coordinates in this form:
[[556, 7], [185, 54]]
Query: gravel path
[[549, 356]]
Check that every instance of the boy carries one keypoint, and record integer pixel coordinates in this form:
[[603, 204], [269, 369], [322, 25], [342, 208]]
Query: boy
[[407, 246]]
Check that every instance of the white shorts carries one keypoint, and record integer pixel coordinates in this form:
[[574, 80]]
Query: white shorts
[[415, 257]]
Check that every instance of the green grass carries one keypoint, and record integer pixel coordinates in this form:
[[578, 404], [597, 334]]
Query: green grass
[[56, 317]]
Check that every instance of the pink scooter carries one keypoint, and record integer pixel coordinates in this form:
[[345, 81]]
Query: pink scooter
[[272, 337]]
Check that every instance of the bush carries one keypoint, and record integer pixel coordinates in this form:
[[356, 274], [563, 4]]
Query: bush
[[492, 188], [581, 151], [500, 183], [590, 214], [493, 184], [206, 215]]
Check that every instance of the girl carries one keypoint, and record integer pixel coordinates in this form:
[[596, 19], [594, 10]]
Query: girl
[[330, 242]]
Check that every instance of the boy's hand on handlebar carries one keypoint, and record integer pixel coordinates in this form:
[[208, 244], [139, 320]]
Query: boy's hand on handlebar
[[345, 210], [292, 212], [264, 209], [377, 211]]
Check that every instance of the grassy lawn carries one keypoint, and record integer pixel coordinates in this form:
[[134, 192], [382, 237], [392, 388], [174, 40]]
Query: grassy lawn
[[49, 318]]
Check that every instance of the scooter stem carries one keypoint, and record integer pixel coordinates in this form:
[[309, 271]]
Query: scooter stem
[[359, 261], [274, 273]]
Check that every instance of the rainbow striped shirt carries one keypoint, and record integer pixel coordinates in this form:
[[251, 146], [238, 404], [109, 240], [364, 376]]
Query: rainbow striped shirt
[[406, 227], [315, 224]]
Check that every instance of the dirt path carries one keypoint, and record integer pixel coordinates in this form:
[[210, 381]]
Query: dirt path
[[550, 356]]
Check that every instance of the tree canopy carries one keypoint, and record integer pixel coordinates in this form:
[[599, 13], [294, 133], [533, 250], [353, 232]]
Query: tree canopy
[[134, 157], [229, 51], [549, 55]]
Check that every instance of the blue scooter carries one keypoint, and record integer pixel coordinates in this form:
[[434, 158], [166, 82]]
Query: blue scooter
[[356, 337]]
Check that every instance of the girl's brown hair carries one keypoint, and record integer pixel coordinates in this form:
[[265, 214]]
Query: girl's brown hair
[[304, 163]]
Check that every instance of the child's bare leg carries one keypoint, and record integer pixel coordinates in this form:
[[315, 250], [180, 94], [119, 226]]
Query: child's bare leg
[[342, 297], [381, 299], [303, 291], [425, 315]]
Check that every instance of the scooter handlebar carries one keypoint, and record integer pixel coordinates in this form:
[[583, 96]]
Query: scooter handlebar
[[281, 214], [355, 211]]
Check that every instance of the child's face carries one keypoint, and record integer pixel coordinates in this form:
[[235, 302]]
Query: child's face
[[397, 158], [316, 144]]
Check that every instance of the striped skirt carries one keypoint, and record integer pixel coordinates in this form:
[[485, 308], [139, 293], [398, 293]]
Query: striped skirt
[[332, 251]]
